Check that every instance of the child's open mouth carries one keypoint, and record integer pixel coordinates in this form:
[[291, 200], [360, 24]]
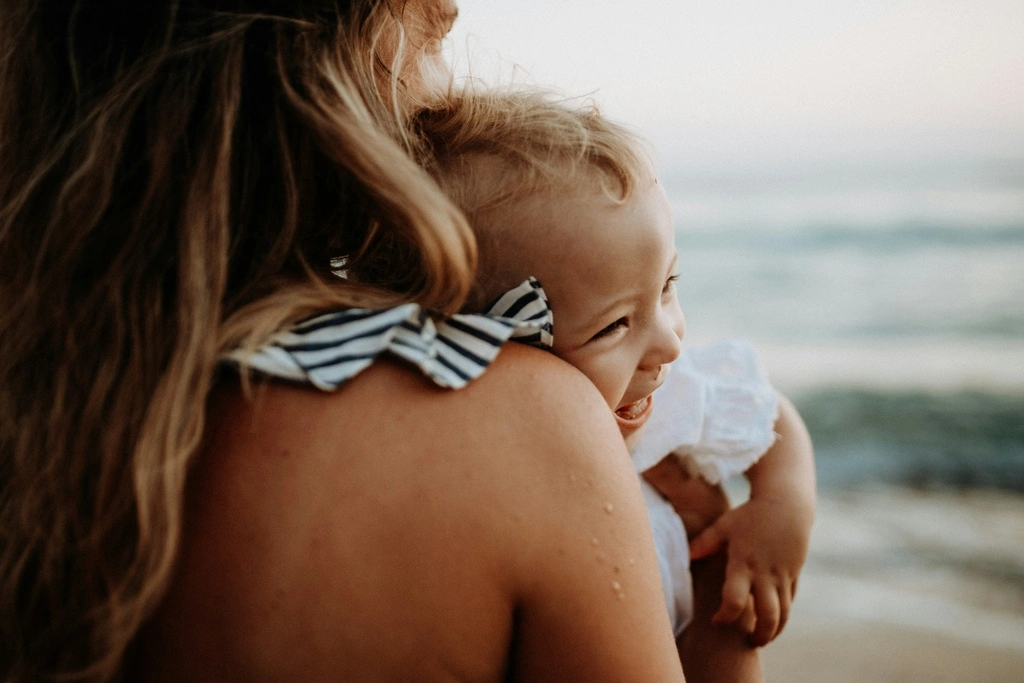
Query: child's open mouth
[[633, 415], [633, 410]]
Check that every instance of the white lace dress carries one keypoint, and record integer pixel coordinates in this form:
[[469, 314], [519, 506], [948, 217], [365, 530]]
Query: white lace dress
[[718, 409]]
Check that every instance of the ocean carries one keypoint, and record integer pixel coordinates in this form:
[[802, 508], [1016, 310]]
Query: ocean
[[886, 300]]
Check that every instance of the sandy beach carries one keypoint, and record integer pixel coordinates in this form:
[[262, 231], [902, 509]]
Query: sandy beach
[[908, 586]]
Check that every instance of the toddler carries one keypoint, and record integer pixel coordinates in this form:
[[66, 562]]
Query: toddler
[[563, 196]]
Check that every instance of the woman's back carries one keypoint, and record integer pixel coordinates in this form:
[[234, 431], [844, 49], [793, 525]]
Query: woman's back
[[394, 531]]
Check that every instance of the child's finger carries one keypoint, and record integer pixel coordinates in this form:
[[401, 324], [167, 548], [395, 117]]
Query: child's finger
[[748, 620], [735, 594], [766, 604], [785, 602], [707, 543]]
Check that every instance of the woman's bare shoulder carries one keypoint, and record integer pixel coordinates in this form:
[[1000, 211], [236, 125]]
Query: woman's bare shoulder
[[394, 524], [388, 526], [530, 418], [524, 393]]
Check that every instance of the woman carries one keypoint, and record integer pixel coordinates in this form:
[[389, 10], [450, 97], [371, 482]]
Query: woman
[[176, 180]]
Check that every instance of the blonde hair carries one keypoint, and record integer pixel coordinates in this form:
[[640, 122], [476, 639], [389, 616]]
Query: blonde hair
[[175, 178], [492, 149]]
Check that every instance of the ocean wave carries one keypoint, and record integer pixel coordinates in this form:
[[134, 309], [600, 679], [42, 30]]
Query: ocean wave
[[957, 440], [901, 237]]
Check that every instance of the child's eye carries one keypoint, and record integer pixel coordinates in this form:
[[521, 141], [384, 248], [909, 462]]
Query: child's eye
[[621, 322], [670, 284]]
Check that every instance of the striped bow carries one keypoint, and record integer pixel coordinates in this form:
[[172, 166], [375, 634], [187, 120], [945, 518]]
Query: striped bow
[[331, 348]]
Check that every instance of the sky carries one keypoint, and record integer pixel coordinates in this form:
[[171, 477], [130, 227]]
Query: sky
[[791, 80]]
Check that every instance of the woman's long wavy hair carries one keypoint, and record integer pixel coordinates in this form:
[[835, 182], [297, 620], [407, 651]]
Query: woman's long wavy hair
[[175, 179]]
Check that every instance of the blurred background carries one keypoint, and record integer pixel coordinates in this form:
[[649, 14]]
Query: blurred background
[[848, 186]]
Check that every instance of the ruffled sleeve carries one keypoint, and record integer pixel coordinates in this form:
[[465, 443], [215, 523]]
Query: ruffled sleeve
[[329, 349], [717, 407]]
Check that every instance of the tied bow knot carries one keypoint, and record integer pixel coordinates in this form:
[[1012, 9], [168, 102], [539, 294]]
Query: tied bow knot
[[331, 348]]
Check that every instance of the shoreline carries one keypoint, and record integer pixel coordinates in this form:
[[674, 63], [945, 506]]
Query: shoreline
[[909, 586], [880, 653]]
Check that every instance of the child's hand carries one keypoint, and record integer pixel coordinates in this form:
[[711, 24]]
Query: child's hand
[[766, 543]]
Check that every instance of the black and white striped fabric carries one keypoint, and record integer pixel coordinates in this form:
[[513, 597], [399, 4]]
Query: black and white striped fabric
[[329, 349], [527, 306]]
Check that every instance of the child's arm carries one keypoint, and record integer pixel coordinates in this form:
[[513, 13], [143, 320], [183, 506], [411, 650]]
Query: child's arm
[[767, 536], [709, 653], [716, 654]]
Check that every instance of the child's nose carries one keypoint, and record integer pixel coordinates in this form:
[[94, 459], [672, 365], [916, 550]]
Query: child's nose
[[667, 339]]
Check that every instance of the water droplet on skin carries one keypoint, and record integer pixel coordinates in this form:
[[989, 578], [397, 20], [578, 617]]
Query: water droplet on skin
[[632, 562], [609, 508], [594, 542], [620, 595], [616, 586]]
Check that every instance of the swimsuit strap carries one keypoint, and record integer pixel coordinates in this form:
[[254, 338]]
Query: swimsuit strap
[[331, 348], [527, 305]]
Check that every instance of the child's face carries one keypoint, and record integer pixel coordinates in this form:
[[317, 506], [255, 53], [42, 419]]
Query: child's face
[[609, 272]]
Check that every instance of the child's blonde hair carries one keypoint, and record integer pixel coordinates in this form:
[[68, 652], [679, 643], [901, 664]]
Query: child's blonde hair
[[490, 149]]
